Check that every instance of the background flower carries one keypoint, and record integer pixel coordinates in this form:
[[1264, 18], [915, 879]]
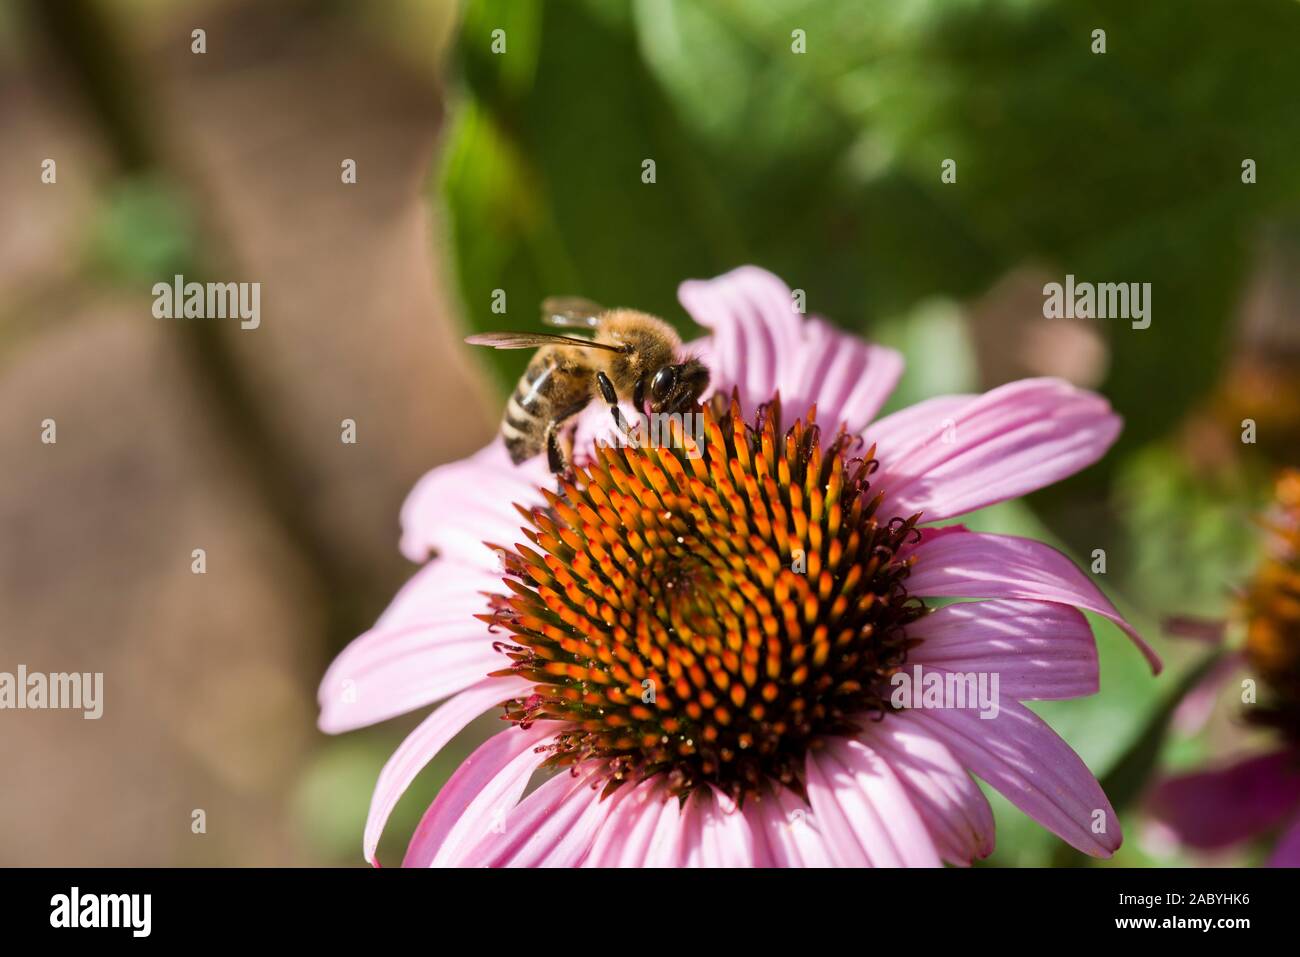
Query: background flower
[[1256, 796]]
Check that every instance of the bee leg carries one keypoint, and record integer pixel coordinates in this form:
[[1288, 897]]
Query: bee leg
[[611, 398], [555, 456], [559, 447]]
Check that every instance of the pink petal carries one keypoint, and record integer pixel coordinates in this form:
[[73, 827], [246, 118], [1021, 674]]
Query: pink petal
[[868, 818], [425, 646], [661, 834], [625, 835], [552, 827], [387, 673], [1037, 649], [650, 828], [977, 565], [441, 592], [456, 507], [760, 345], [954, 809], [732, 835], [666, 839], [754, 324], [1015, 439], [1287, 851], [850, 388], [906, 430], [423, 744], [1194, 711], [717, 833], [1220, 807], [1023, 758], [926, 535], [479, 796], [792, 835], [564, 839]]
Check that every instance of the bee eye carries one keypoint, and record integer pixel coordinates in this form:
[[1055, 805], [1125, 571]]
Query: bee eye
[[663, 382]]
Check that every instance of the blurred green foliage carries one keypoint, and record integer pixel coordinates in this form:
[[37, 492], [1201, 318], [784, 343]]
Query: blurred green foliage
[[144, 230], [824, 166]]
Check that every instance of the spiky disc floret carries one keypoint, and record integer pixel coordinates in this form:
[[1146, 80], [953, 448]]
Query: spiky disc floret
[[1272, 611], [709, 611]]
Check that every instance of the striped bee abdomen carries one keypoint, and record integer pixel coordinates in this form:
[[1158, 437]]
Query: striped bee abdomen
[[556, 385], [524, 421]]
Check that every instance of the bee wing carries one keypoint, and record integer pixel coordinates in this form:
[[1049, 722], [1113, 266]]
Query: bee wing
[[533, 340], [571, 312]]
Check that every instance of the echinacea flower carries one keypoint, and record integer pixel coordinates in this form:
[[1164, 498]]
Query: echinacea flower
[[703, 637], [1258, 794]]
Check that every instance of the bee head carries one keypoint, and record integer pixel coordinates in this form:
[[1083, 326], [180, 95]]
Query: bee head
[[677, 388]]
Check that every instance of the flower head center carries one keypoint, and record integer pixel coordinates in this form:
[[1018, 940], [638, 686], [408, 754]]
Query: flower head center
[[1272, 607], [709, 610]]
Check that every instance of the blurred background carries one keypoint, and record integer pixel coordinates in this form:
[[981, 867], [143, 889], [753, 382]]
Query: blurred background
[[521, 169]]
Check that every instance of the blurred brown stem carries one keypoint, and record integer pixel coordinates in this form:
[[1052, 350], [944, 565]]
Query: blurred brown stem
[[85, 43]]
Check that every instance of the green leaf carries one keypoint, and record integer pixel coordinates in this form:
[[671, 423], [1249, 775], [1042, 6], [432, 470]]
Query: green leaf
[[824, 166]]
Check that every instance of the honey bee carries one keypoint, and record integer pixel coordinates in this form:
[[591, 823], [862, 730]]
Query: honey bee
[[632, 354]]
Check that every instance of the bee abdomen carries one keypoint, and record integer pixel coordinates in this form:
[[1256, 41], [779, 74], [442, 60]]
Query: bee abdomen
[[523, 437], [524, 422], [521, 447]]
